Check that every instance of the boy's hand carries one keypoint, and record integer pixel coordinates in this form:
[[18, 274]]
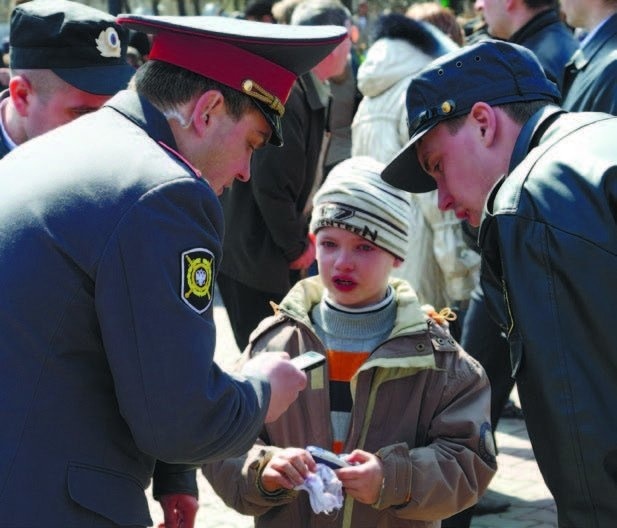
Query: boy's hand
[[362, 481], [287, 469]]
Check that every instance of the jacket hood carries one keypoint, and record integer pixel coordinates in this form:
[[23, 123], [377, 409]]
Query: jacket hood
[[401, 49], [387, 62]]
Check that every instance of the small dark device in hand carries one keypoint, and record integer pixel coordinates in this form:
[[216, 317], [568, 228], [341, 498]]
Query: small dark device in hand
[[309, 360], [327, 457]]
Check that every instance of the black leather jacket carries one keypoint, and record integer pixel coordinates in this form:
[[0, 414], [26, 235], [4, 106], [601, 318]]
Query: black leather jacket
[[550, 39], [549, 244]]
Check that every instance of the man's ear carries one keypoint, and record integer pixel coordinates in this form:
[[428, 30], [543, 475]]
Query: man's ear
[[485, 120], [208, 106], [20, 91]]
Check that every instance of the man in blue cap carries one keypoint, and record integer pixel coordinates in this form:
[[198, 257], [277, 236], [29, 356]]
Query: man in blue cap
[[109, 251], [66, 59], [487, 132]]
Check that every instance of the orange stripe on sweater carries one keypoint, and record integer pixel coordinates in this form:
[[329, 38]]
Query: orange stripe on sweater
[[337, 447], [342, 365]]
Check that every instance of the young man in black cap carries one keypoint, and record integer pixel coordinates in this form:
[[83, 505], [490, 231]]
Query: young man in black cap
[[535, 24], [66, 59], [489, 111], [108, 255]]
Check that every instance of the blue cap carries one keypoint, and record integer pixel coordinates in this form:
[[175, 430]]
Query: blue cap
[[491, 71]]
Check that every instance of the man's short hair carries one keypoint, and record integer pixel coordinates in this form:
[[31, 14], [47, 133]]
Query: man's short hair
[[168, 86], [44, 82], [520, 113]]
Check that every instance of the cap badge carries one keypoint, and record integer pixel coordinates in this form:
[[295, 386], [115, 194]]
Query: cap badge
[[197, 278], [432, 114], [253, 89], [108, 43], [446, 107]]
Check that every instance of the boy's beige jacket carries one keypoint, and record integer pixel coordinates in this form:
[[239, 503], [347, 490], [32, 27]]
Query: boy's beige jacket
[[420, 403]]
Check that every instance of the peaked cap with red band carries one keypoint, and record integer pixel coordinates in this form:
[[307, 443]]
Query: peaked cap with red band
[[258, 59]]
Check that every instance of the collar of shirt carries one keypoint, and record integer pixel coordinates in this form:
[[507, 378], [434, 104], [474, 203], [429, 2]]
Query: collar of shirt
[[589, 36]]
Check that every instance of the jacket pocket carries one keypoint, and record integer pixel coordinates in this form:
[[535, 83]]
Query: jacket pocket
[[116, 496]]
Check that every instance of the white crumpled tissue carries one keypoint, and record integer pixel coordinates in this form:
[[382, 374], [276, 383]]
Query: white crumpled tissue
[[324, 488]]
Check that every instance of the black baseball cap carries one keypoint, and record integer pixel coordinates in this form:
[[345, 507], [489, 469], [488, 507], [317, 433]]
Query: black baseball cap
[[83, 46], [258, 59], [491, 71]]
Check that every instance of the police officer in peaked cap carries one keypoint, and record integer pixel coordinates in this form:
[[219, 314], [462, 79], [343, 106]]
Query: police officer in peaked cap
[[110, 245]]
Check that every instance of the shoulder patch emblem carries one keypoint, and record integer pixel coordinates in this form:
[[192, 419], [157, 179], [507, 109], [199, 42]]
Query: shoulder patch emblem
[[197, 278], [486, 447]]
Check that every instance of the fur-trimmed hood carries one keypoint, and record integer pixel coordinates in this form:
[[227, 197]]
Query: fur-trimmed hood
[[402, 46]]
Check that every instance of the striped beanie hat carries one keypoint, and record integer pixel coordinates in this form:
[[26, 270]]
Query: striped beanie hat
[[355, 198]]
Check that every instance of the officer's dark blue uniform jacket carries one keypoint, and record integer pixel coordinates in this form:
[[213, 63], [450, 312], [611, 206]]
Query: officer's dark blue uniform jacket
[[109, 245]]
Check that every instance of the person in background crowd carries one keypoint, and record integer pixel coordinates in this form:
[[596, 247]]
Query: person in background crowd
[[590, 78], [383, 353], [66, 60], [363, 20], [111, 241], [487, 131], [260, 10], [441, 17], [4, 66], [269, 245], [343, 107], [535, 24], [141, 42]]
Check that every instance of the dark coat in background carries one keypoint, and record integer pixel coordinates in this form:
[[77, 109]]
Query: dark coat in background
[[266, 226], [590, 82], [551, 40]]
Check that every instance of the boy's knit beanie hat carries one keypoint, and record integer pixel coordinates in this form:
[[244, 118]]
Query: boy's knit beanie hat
[[354, 197]]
